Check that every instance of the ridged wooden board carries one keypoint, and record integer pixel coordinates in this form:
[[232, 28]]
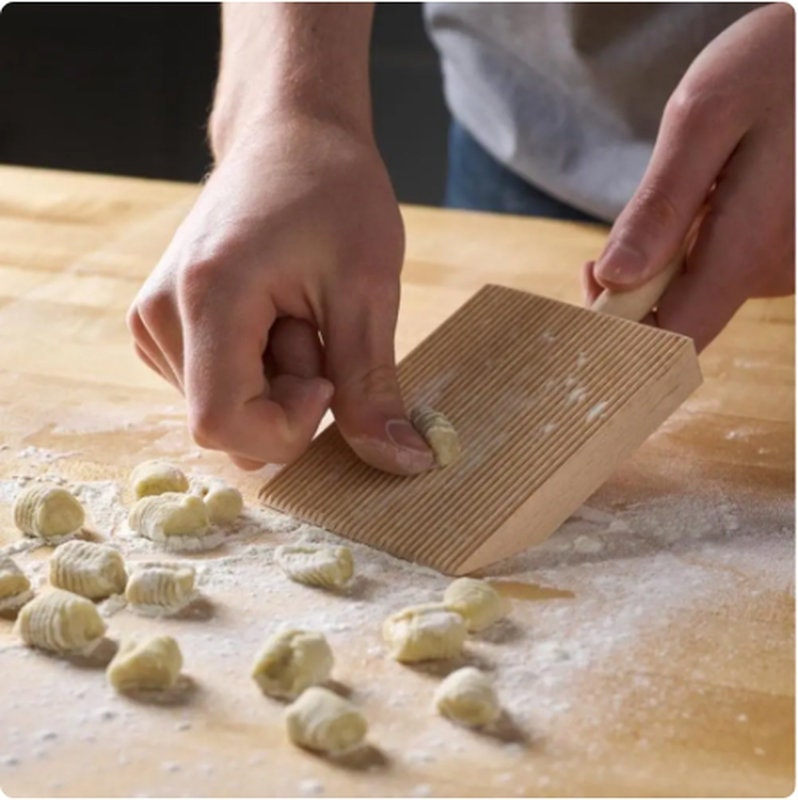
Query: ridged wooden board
[[547, 399]]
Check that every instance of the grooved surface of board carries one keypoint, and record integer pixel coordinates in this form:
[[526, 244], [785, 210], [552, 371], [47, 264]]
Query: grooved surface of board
[[530, 384]]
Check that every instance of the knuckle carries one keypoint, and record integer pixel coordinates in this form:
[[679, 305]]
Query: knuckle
[[378, 381], [155, 308], [209, 427], [694, 108], [653, 209], [135, 324]]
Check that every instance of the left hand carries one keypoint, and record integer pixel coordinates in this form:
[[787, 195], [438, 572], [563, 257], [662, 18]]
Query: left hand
[[725, 151]]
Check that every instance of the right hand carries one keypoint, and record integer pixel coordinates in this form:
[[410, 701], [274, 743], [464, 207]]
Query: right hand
[[278, 297]]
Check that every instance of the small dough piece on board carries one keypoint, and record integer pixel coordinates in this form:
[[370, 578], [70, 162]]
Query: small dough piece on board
[[176, 521], [292, 660], [49, 512], [152, 664], [160, 589], [467, 696], [424, 632], [439, 434], [156, 477], [61, 622], [321, 720], [90, 570], [316, 565], [476, 601], [15, 588], [222, 502]]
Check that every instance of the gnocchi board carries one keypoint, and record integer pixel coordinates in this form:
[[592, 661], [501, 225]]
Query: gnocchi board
[[547, 399], [650, 645]]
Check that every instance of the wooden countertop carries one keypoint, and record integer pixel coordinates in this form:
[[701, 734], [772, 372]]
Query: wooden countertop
[[658, 623]]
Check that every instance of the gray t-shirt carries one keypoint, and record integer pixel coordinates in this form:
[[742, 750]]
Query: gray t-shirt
[[570, 95]]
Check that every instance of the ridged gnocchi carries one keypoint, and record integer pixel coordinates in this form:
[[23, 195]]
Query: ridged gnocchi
[[476, 601], [467, 696], [222, 502], [91, 570], [15, 588], [321, 720], [152, 664], [176, 521], [316, 565], [292, 660], [49, 512], [160, 589], [61, 622], [156, 477], [439, 434], [424, 632]]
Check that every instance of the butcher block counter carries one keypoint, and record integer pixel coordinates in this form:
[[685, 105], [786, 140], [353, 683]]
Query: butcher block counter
[[649, 649]]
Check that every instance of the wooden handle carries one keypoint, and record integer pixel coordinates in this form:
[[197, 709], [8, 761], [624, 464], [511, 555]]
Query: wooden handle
[[636, 303]]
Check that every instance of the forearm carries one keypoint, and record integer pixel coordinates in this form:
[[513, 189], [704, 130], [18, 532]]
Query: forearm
[[300, 58]]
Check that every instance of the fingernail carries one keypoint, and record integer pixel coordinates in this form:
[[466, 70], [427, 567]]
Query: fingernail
[[404, 435], [620, 263]]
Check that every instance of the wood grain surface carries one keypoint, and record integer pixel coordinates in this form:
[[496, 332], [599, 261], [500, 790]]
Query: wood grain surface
[[650, 646]]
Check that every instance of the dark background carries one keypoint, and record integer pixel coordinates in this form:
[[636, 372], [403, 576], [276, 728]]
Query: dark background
[[126, 88]]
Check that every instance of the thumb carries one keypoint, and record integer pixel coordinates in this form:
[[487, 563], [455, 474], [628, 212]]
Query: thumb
[[367, 404]]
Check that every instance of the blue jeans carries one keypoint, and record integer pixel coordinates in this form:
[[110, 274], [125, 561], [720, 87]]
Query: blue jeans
[[478, 182]]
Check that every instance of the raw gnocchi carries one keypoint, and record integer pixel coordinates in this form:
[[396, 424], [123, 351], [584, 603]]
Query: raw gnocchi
[[321, 720], [316, 565], [15, 588], [292, 660], [156, 477], [160, 589], [439, 434], [476, 601], [91, 570], [61, 622], [152, 664], [423, 632], [176, 521], [49, 512], [467, 696], [222, 502]]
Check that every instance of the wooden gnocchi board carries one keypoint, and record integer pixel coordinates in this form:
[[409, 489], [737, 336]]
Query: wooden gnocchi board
[[650, 645]]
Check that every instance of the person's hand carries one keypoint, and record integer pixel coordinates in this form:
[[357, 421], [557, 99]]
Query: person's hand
[[278, 298], [725, 152]]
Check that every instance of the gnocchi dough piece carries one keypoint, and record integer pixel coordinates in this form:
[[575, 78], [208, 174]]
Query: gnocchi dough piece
[[176, 521], [15, 588], [476, 601], [49, 512], [222, 502], [316, 565], [160, 588], [423, 632], [439, 434], [153, 664], [321, 720], [91, 570], [292, 660], [467, 696], [61, 622], [156, 477]]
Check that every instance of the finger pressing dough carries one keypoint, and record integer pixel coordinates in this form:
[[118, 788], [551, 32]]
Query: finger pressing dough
[[476, 601], [321, 720], [49, 512], [91, 570], [292, 660], [423, 632], [151, 664], [316, 565], [467, 696], [176, 521], [439, 434], [156, 477], [60, 621], [222, 502], [160, 589], [15, 588]]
